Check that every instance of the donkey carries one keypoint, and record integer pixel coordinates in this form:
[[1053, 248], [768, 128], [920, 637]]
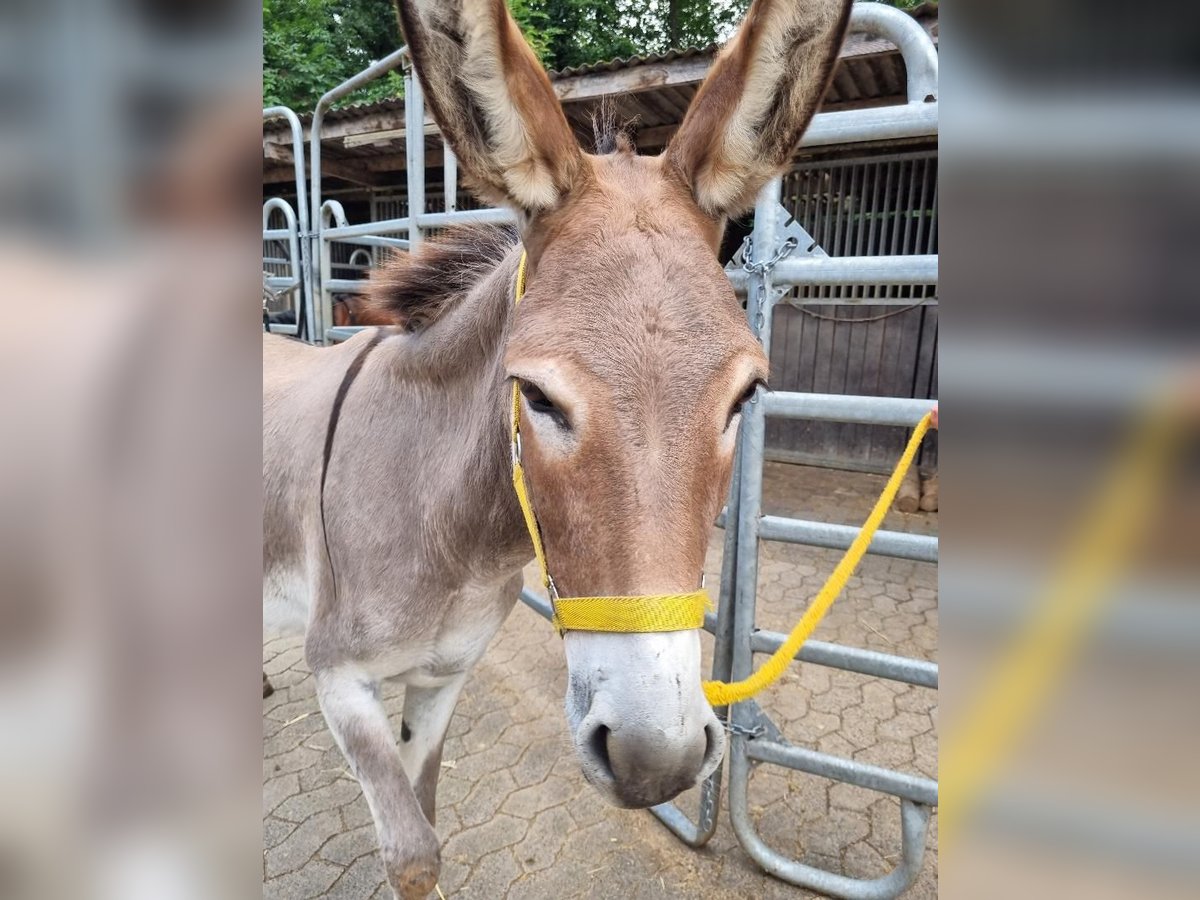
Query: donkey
[[391, 533]]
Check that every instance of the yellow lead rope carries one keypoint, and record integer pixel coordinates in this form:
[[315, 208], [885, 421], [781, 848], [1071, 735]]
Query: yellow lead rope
[[683, 612], [720, 693]]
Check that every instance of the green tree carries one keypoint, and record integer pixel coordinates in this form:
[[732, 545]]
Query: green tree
[[311, 45]]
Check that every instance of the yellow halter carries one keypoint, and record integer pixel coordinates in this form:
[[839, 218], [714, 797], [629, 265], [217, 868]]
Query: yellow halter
[[625, 615]]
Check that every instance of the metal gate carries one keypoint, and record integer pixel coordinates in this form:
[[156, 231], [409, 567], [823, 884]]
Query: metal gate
[[780, 260]]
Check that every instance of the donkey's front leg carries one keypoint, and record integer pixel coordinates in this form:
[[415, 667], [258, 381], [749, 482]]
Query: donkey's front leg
[[427, 712], [350, 701]]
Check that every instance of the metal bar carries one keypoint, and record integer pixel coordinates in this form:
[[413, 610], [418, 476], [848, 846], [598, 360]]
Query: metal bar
[[538, 604], [493, 216], [916, 788], [813, 270], [428, 220], [920, 56], [341, 333], [749, 507], [847, 408], [450, 177], [414, 149], [277, 283], [374, 241], [367, 229], [351, 84], [897, 544], [914, 823], [884, 123], [916, 672], [305, 303], [346, 285]]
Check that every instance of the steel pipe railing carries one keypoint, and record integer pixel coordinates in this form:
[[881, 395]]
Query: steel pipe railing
[[305, 302], [856, 410], [351, 84], [831, 536]]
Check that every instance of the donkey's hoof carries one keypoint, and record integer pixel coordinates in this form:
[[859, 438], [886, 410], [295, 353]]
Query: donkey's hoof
[[268, 690], [415, 882]]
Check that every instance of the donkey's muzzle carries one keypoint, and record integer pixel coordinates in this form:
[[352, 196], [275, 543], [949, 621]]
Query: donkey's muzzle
[[639, 767]]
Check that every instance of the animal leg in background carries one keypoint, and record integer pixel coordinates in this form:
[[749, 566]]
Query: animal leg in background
[[349, 700], [427, 712]]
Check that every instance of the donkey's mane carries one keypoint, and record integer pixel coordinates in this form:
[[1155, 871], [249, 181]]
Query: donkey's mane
[[415, 289]]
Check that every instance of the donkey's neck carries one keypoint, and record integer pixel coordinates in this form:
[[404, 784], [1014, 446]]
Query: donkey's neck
[[456, 367]]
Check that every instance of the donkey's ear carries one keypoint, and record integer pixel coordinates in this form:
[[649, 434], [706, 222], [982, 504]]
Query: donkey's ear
[[749, 114], [492, 100]]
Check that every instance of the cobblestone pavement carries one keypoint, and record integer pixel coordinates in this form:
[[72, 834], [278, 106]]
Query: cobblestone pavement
[[515, 816]]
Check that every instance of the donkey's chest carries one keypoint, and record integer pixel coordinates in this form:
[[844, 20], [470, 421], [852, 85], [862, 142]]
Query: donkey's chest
[[448, 643]]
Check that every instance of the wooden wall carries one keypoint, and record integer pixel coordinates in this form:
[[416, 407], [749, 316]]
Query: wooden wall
[[854, 207]]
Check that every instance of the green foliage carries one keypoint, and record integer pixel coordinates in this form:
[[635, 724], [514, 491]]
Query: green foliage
[[578, 32], [309, 46]]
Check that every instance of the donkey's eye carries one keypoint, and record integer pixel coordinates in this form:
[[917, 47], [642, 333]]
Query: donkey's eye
[[747, 396], [540, 403]]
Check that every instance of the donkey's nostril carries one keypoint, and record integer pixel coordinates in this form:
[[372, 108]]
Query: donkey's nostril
[[598, 744], [714, 746]]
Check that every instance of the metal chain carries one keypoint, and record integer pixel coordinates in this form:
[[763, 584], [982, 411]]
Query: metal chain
[[756, 268], [756, 731], [878, 318]]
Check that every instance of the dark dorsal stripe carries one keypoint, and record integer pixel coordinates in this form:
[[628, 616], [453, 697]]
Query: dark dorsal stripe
[[334, 414]]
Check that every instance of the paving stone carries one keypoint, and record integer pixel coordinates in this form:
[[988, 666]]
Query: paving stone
[[544, 839], [361, 880], [301, 806], [904, 726], [276, 790], [274, 831], [491, 876], [486, 797], [529, 801], [347, 846], [311, 881], [476, 842], [302, 843]]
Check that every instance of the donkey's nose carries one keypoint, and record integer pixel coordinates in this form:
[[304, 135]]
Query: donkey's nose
[[643, 764]]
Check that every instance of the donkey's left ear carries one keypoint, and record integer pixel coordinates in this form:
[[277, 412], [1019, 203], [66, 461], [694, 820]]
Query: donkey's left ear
[[751, 111], [492, 100]]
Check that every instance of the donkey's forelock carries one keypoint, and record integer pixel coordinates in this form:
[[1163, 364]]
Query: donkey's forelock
[[609, 134]]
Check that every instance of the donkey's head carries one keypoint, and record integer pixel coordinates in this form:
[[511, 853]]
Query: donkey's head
[[632, 354]]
